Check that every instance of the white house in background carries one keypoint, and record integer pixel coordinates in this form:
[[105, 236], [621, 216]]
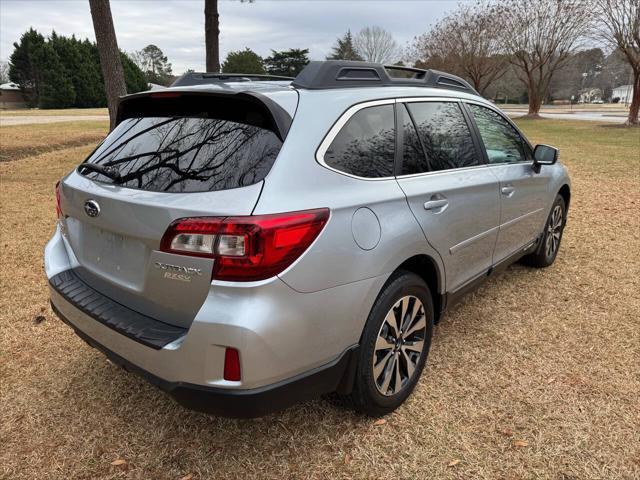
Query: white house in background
[[623, 92]]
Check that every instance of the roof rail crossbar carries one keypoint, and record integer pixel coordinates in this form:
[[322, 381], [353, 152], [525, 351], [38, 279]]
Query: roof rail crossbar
[[341, 73], [203, 78]]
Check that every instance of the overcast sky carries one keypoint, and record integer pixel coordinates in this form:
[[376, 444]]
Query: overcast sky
[[177, 26]]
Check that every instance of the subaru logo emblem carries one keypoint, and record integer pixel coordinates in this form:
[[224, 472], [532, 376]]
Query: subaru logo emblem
[[91, 208]]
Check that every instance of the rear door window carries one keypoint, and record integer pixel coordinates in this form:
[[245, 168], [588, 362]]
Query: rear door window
[[445, 137], [365, 146], [186, 154]]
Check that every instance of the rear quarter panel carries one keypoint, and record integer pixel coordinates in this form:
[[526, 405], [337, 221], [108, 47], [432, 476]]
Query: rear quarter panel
[[298, 182]]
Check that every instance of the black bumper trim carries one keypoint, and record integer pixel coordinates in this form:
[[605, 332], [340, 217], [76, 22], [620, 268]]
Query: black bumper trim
[[136, 326], [246, 403]]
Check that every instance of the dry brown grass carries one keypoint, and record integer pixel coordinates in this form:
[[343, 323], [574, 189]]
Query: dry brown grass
[[55, 112], [537, 375], [21, 141]]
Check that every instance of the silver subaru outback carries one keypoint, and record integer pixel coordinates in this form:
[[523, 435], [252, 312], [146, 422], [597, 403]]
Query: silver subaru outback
[[245, 243]]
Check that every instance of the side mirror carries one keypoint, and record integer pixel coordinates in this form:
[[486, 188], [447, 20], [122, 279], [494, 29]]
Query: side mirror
[[545, 155]]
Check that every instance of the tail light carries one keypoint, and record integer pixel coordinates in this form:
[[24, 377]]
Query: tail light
[[246, 248], [58, 209]]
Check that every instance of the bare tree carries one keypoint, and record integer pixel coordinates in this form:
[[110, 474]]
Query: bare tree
[[375, 44], [4, 72], [466, 42], [539, 36], [212, 35], [110, 62], [618, 25]]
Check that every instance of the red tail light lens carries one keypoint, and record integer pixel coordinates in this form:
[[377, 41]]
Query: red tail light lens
[[58, 209], [246, 248], [231, 364]]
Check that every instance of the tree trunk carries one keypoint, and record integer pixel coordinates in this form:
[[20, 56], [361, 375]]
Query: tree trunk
[[635, 100], [535, 99], [212, 35], [112, 72]]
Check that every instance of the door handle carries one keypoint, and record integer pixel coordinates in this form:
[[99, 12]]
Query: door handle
[[436, 204], [507, 191]]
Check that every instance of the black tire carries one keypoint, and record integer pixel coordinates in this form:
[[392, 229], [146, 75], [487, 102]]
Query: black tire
[[543, 256], [402, 287]]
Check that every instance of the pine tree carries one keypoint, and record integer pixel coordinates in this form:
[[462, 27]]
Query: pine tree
[[22, 67], [243, 61], [344, 49], [287, 62], [56, 89]]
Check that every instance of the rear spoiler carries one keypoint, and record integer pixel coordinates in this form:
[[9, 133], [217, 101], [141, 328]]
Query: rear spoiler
[[186, 103]]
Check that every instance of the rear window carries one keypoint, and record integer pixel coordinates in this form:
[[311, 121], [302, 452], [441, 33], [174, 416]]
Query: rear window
[[187, 154]]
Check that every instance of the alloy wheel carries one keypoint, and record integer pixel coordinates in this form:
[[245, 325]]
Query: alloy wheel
[[399, 345], [554, 231]]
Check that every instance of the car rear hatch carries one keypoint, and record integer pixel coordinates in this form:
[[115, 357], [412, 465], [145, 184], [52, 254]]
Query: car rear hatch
[[172, 155]]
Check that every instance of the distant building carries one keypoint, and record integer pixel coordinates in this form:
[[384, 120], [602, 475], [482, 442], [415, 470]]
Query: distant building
[[623, 92], [11, 97], [590, 95], [155, 86]]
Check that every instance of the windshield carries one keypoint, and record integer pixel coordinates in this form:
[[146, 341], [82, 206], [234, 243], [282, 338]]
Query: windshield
[[179, 154]]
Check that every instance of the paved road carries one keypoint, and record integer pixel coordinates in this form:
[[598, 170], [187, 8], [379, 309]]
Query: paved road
[[7, 120], [587, 116]]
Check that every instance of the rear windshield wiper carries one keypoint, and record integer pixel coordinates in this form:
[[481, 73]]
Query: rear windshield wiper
[[110, 172]]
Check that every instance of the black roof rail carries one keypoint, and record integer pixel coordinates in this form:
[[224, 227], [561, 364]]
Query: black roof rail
[[204, 78], [342, 73]]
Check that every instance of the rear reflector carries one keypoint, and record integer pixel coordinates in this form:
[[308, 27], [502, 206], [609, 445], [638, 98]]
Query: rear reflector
[[58, 209], [246, 248], [231, 365]]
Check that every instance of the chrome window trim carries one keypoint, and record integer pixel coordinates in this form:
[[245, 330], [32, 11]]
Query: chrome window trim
[[441, 172], [335, 129]]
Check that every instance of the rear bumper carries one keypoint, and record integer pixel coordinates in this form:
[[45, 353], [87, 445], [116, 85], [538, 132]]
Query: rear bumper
[[246, 403], [290, 342]]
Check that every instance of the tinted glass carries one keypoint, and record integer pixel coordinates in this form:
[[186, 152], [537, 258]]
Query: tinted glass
[[445, 136], [365, 146], [413, 159], [186, 154], [502, 142]]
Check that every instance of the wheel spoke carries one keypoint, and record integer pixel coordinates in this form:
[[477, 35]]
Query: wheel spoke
[[411, 367], [409, 314], [388, 374], [379, 367], [397, 383], [382, 343], [420, 323], [415, 346], [391, 320]]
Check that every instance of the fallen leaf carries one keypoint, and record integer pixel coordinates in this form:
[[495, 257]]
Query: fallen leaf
[[119, 462], [379, 422], [520, 443], [453, 463], [187, 477], [508, 432], [347, 459]]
